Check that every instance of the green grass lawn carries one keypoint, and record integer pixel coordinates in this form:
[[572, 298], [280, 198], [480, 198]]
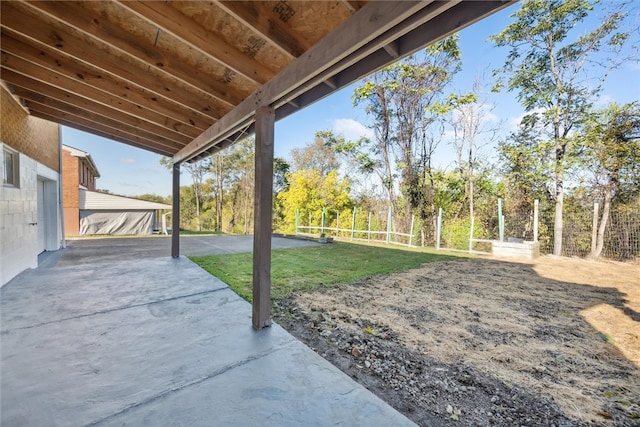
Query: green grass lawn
[[306, 269]]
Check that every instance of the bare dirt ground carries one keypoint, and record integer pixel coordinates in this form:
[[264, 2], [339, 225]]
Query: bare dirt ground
[[487, 342]]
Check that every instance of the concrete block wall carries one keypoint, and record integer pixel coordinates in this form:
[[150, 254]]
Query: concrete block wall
[[18, 209], [37, 142]]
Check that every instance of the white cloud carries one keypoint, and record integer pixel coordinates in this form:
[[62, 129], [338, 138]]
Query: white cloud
[[351, 129], [126, 160]]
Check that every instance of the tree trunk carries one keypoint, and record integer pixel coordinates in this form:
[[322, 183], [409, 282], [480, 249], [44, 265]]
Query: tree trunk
[[196, 191], [603, 223], [557, 224]]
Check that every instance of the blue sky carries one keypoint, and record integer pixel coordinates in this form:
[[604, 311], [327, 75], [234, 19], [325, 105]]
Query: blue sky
[[130, 171]]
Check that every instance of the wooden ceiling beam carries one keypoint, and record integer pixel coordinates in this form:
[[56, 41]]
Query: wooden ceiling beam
[[18, 65], [372, 21], [457, 15], [163, 151], [120, 131], [104, 32], [45, 90], [32, 98], [253, 15], [175, 23], [43, 37], [353, 5], [101, 80]]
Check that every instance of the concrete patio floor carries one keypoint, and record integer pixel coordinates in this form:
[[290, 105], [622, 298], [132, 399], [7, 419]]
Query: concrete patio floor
[[156, 341]]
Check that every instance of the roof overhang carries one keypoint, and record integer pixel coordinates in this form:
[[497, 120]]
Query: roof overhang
[[83, 156], [183, 79]]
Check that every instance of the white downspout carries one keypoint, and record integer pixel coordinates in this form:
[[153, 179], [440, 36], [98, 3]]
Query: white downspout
[[63, 242]]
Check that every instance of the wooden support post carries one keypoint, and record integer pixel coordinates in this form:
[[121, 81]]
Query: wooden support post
[[175, 217], [594, 230], [369, 228], [297, 221], [263, 211]]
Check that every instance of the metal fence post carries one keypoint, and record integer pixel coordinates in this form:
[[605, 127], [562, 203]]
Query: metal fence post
[[353, 223], [322, 222], [297, 221], [536, 209], [594, 230], [369, 228]]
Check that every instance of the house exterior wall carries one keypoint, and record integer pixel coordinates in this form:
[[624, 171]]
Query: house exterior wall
[[36, 138], [76, 173], [70, 193], [87, 179], [36, 143]]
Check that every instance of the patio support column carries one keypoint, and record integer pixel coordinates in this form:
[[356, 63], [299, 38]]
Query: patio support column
[[175, 217], [263, 210]]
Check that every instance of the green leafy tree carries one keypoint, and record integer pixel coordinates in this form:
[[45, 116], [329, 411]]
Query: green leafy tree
[[471, 121], [527, 161], [154, 198], [611, 140], [197, 171], [315, 155], [553, 68], [217, 184], [399, 98], [310, 192], [240, 177], [281, 170]]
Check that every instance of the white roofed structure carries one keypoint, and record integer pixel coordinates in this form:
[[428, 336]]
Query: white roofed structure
[[95, 200]]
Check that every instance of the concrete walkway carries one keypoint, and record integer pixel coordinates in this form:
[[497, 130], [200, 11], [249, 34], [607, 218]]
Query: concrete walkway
[[157, 341]]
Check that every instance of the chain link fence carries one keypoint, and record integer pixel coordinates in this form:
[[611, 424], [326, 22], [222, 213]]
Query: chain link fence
[[621, 237]]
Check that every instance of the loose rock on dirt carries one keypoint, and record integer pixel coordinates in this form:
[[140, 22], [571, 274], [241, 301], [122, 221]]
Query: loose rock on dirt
[[485, 342]]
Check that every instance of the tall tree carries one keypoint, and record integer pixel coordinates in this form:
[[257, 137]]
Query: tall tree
[[612, 154], [398, 98], [314, 155], [473, 127], [281, 170], [526, 164], [218, 170], [197, 171], [551, 66], [309, 192], [240, 171]]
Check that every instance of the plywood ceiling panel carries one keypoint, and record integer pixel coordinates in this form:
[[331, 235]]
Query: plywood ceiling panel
[[172, 76]]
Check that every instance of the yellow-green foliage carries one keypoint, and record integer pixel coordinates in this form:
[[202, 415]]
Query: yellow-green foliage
[[310, 192]]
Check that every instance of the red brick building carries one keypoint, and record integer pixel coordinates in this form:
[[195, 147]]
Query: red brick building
[[78, 172], [89, 212]]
